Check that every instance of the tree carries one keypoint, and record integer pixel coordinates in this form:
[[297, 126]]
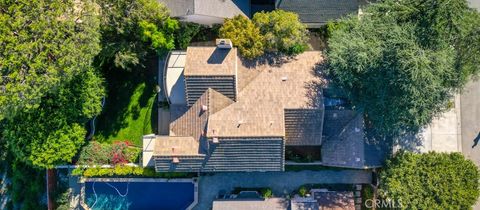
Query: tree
[[185, 34], [283, 31], [431, 181], [43, 44], [244, 35], [439, 24], [390, 70], [133, 29], [53, 133]]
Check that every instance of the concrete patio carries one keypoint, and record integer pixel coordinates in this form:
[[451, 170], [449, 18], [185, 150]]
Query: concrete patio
[[281, 183]]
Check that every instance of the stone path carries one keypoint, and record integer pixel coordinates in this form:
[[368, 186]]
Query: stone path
[[281, 183]]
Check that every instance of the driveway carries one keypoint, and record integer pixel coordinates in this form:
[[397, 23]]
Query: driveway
[[281, 183]]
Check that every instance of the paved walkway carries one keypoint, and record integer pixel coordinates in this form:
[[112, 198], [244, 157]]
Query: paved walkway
[[281, 183], [470, 103]]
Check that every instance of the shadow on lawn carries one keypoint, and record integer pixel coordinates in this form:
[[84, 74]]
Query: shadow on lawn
[[121, 87]]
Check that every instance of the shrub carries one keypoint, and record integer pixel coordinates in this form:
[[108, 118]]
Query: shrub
[[95, 153], [129, 171], [431, 181], [185, 34], [78, 171], [303, 191], [283, 31], [244, 35], [120, 152], [266, 193]]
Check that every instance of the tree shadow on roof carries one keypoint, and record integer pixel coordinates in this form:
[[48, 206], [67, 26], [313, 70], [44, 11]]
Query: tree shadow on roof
[[271, 59]]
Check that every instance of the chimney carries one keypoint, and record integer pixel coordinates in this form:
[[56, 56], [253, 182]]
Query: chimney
[[224, 43]]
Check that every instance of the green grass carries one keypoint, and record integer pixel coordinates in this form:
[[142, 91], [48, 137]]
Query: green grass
[[130, 108]]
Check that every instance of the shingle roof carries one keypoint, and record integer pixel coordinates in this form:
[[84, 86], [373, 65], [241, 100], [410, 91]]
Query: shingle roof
[[193, 121], [268, 204], [259, 110], [179, 7], [344, 142], [319, 11], [175, 145], [210, 61], [213, 8]]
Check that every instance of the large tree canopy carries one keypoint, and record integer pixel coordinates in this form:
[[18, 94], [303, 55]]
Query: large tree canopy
[[400, 76], [49, 87], [42, 44], [53, 133], [431, 181], [131, 29]]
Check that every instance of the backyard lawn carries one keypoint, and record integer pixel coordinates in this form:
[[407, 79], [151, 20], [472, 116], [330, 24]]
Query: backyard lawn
[[130, 107]]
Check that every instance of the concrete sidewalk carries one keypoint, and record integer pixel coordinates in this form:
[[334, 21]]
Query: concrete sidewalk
[[470, 104], [444, 133], [281, 183]]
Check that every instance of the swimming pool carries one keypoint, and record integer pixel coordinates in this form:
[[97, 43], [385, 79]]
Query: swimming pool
[[139, 195]]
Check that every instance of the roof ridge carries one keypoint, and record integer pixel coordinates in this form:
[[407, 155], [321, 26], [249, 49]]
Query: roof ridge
[[348, 124]]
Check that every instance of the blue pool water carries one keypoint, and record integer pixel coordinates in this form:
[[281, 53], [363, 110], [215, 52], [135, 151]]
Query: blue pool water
[[139, 195]]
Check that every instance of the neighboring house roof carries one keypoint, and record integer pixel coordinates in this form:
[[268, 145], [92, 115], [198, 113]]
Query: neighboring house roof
[[179, 7], [210, 61], [267, 204], [325, 200], [259, 110], [214, 8], [315, 12]]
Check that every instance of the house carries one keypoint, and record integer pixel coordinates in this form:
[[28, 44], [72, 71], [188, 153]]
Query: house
[[325, 200], [318, 199], [207, 12], [263, 204], [231, 115], [313, 13]]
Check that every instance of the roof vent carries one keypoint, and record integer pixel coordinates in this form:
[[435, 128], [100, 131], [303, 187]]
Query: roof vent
[[175, 160], [204, 107], [335, 115], [284, 78], [357, 130], [215, 140], [224, 43], [240, 122]]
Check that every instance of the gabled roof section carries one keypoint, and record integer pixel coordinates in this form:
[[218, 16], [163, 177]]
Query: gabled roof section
[[217, 101], [210, 61], [259, 110], [344, 143], [313, 12], [193, 122]]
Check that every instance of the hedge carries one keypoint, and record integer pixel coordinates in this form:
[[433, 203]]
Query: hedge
[[128, 171]]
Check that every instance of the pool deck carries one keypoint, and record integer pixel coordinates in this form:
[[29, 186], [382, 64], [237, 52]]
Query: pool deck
[[281, 183], [82, 181]]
